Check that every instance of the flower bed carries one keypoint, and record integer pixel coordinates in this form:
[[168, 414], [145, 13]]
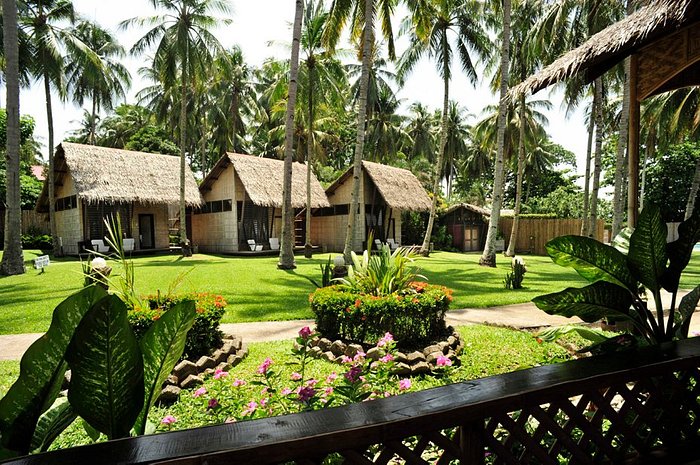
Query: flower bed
[[414, 315], [203, 338]]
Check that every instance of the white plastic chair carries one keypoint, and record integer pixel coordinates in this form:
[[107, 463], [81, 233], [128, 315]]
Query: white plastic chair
[[274, 243], [253, 246], [378, 244], [98, 245], [129, 244], [392, 245]]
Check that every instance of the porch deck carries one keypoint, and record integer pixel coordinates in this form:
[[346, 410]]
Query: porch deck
[[631, 407]]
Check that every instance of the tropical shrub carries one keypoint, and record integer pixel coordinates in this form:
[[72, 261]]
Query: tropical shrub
[[415, 315], [204, 336], [619, 276], [37, 241], [514, 278], [380, 274], [115, 380]]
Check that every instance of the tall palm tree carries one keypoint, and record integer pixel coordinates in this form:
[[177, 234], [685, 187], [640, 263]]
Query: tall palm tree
[[385, 134], [451, 20], [420, 130], [104, 80], [361, 16], [287, 244], [184, 43], [488, 258], [456, 146], [43, 22], [12, 259]]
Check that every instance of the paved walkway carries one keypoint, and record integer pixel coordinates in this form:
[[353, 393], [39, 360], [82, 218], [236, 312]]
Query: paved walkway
[[520, 316]]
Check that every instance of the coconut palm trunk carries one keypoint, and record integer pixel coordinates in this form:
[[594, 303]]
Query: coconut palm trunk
[[587, 176], [309, 152], [12, 259], [184, 242], [52, 175], [425, 247], [286, 261], [690, 206], [597, 165], [488, 258], [619, 198], [93, 119], [367, 42], [651, 144], [510, 252]]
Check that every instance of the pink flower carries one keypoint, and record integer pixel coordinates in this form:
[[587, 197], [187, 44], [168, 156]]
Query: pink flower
[[345, 359], [239, 382], [250, 408], [295, 376], [262, 369], [200, 392], [359, 356], [305, 332], [443, 361], [312, 382], [388, 337], [306, 393], [219, 373], [387, 358], [328, 391], [264, 401], [213, 403], [286, 391], [404, 384], [168, 420], [332, 377]]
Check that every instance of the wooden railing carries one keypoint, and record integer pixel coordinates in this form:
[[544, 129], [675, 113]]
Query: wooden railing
[[633, 407]]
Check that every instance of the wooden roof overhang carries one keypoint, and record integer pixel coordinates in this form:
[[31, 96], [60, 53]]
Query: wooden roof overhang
[[665, 59]]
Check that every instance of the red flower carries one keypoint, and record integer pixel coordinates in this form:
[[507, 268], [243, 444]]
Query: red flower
[[358, 302]]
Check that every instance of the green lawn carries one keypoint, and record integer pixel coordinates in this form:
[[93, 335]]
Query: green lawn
[[257, 291]]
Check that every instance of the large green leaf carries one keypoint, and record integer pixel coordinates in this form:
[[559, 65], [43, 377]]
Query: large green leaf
[[52, 423], [162, 346], [689, 303], [680, 250], [622, 241], [592, 260], [591, 303], [647, 256], [106, 369], [41, 372]]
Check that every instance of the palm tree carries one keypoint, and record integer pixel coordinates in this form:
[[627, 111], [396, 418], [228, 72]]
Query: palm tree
[[456, 147], [103, 80], [287, 244], [385, 134], [43, 21], [12, 259], [185, 44], [420, 130], [448, 17], [361, 31]]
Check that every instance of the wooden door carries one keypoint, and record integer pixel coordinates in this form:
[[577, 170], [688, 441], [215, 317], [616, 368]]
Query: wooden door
[[471, 238]]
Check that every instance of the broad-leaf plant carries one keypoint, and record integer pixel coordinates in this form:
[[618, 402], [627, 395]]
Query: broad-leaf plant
[[622, 276]]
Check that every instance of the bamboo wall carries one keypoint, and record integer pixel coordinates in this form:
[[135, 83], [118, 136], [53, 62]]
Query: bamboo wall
[[534, 233], [31, 221]]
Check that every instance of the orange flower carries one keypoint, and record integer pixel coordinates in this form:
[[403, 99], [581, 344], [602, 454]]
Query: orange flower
[[358, 302]]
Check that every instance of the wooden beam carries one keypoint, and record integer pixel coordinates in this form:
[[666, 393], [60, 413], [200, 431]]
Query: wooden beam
[[633, 166]]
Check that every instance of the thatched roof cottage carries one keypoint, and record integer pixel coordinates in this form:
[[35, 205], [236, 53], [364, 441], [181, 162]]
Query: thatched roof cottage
[[254, 186], [385, 192], [92, 183], [468, 225]]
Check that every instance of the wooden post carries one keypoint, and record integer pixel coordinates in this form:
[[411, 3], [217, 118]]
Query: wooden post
[[633, 185]]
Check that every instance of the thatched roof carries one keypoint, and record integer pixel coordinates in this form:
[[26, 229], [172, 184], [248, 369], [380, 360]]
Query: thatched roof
[[613, 44], [103, 174], [470, 207], [399, 188], [263, 179]]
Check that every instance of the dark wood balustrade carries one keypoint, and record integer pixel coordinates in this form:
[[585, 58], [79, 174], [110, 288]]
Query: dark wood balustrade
[[633, 407]]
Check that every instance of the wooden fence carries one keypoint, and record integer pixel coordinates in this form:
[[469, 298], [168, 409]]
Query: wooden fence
[[32, 222], [534, 233], [638, 406]]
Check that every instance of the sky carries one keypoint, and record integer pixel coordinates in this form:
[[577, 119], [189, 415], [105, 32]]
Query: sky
[[254, 25]]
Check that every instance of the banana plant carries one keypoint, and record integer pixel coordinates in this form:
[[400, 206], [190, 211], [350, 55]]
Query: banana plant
[[618, 280], [115, 380]]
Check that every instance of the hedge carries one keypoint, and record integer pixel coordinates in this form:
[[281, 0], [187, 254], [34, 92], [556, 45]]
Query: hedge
[[203, 338], [415, 316]]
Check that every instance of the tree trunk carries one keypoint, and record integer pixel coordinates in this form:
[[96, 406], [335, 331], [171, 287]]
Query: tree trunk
[[689, 207], [286, 261], [587, 177], [93, 117], [309, 152], [488, 258], [234, 117], [425, 248], [651, 142], [592, 229], [368, 39], [12, 259], [184, 242], [52, 175], [519, 180]]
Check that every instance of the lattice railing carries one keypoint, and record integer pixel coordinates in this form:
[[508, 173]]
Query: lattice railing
[[631, 407]]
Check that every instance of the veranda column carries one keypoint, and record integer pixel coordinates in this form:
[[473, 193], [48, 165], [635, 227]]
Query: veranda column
[[633, 193]]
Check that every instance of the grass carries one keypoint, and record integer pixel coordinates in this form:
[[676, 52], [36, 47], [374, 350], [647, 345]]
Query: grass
[[256, 290], [488, 351]]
